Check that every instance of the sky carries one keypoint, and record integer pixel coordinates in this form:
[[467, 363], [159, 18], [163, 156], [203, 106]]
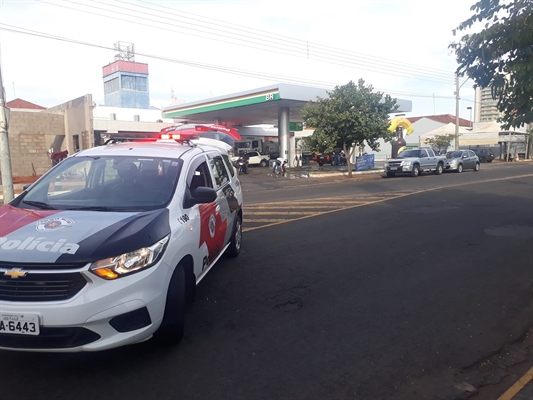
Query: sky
[[52, 51]]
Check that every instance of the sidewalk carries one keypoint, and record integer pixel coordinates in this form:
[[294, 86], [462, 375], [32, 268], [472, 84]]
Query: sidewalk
[[264, 179]]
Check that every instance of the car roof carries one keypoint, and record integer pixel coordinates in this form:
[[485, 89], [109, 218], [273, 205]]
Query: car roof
[[159, 148]]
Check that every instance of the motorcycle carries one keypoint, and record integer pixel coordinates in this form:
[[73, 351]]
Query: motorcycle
[[242, 165]]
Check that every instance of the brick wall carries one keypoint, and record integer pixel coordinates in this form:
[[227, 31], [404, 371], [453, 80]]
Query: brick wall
[[31, 134]]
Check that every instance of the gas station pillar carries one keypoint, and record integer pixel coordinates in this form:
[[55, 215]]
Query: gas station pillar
[[283, 132]]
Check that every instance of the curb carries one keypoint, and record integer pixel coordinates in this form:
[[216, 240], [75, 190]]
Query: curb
[[343, 173]]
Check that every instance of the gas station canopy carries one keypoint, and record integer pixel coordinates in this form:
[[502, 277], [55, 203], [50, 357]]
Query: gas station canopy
[[254, 107]]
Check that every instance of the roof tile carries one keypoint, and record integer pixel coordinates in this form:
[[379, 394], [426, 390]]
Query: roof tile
[[19, 103]]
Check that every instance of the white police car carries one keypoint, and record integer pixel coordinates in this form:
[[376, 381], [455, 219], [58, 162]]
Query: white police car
[[107, 247]]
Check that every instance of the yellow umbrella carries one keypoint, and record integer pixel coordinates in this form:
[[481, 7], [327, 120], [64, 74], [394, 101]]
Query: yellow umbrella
[[401, 122]]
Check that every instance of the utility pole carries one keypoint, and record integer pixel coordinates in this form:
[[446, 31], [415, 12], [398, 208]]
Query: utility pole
[[457, 87], [457, 98], [5, 156]]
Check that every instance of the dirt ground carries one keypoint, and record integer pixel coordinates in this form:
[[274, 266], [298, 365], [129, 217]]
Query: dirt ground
[[25, 179]]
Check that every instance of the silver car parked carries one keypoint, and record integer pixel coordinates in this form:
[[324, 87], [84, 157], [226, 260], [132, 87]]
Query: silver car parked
[[461, 159]]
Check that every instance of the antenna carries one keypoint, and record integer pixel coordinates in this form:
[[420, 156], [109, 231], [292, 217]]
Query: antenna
[[126, 51]]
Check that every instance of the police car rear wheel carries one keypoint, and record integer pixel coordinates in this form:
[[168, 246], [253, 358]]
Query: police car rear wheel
[[172, 327], [236, 241]]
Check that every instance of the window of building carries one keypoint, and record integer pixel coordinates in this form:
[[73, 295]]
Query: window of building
[[141, 84], [127, 82], [111, 86]]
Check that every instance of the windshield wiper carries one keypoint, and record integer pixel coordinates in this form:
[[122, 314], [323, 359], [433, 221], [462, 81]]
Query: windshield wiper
[[93, 208], [40, 204]]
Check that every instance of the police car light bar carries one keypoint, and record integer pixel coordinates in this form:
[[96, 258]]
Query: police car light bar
[[167, 136], [193, 131]]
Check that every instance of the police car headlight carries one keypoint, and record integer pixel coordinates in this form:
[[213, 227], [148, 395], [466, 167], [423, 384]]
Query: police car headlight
[[115, 267]]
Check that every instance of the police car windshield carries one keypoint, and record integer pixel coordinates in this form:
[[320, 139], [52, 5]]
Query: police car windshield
[[106, 183]]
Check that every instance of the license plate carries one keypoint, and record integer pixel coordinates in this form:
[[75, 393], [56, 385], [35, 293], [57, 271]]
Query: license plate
[[393, 168], [19, 324]]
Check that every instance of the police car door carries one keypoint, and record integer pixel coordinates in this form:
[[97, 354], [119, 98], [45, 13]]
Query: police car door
[[203, 218], [222, 183]]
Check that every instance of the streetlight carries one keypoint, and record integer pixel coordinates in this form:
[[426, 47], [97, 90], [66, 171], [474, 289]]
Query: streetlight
[[470, 108]]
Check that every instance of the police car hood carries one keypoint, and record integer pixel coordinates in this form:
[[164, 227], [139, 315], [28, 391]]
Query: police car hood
[[56, 236]]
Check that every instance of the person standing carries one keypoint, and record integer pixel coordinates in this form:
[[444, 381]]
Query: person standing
[[58, 156]]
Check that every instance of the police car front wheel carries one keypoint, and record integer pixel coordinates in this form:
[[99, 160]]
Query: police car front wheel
[[172, 327], [236, 241]]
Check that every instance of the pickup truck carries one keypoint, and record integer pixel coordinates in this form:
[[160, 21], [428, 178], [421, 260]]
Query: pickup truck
[[414, 162], [255, 158]]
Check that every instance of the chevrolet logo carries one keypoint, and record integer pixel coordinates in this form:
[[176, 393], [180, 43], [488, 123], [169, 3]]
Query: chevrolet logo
[[15, 273]]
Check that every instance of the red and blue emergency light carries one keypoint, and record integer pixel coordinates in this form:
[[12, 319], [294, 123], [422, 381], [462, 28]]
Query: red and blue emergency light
[[189, 131]]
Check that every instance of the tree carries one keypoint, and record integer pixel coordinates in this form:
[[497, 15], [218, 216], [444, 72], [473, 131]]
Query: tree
[[441, 142], [351, 115], [501, 56]]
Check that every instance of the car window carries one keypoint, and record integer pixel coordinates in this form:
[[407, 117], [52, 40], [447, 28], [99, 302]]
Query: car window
[[219, 171], [253, 153], [228, 164], [454, 154], [423, 153], [430, 153], [199, 177], [409, 153], [471, 153]]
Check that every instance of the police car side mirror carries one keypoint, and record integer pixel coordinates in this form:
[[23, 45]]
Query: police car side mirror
[[200, 195], [204, 195]]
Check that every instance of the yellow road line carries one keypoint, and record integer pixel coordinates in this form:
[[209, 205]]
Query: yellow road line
[[275, 212], [353, 197], [262, 220], [299, 206], [518, 386]]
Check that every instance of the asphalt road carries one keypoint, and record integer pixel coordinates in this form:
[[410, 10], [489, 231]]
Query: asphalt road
[[400, 297]]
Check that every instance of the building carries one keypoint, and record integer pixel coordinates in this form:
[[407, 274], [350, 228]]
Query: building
[[486, 109], [126, 84], [112, 122], [35, 131], [421, 125]]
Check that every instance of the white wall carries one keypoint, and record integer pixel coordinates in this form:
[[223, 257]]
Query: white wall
[[127, 114]]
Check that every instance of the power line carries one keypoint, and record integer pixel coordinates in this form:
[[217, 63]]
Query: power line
[[390, 70], [228, 70], [283, 39], [337, 54]]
